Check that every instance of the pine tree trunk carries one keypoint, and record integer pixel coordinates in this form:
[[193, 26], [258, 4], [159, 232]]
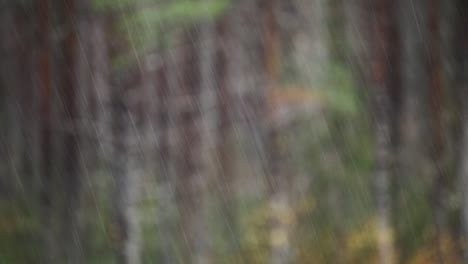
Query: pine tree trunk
[[126, 174], [439, 188], [126, 156], [11, 79], [277, 171], [385, 84], [27, 100], [463, 86], [4, 49], [164, 181], [225, 180], [45, 85], [191, 179], [70, 91], [100, 63]]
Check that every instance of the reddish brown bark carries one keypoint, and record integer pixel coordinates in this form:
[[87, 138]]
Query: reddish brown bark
[[72, 184], [44, 84], [437, 133]]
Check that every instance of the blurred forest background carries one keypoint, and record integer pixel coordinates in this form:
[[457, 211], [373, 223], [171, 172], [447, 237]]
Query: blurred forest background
[[234, 131]]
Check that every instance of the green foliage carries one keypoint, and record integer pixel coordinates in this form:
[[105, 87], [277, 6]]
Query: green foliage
[[159, 11], [338, 89], [106, 5], [182, 11], [143, 24], [18, 229]]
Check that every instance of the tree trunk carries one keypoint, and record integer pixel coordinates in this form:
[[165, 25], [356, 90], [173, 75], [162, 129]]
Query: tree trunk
[[27, 100], [126, 174], [413, 156], [126, 156], [191, 178], [463, 86], [164, 181], [277, 176], [70, 91], [11, 79], [385, 81], [439, 188], [100, 63], [45, 85], [225, 178]]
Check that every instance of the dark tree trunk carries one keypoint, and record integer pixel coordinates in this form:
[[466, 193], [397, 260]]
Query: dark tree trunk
[[70, 92], [439, 188], [413, 157], [165, 184], [100, 65], [10, 85], [45, 85], [463, 90], [93, 75], [386, 89], [190, 168], [226, 195], [27, 103]]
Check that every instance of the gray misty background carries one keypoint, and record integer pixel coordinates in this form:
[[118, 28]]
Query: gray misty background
[[233, 131]]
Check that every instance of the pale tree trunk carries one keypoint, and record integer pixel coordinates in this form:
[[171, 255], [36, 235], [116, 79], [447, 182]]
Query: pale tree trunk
[[126, 155], [135, 173], [125, 172], [310, 49]]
